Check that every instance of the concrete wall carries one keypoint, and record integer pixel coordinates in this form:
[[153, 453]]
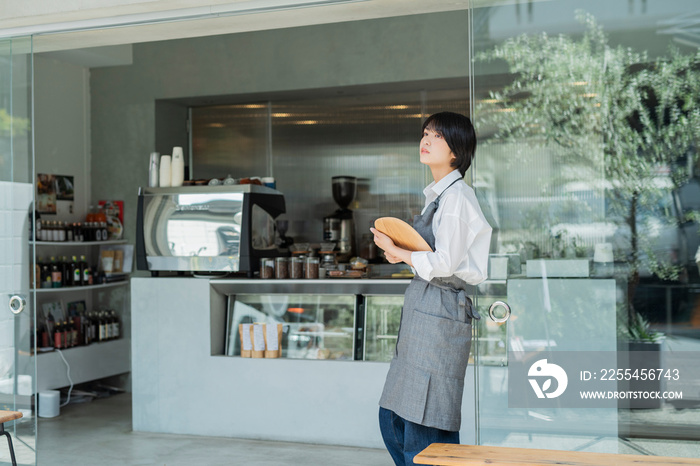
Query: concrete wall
[[62, 129], [123, 98]]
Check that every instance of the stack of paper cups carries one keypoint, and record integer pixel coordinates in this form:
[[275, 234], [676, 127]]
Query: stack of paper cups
[[164, 171], [177, 171]]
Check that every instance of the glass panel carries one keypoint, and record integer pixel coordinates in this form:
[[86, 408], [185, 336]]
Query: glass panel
[[382, 320], [17, 363], [588, 169], [314, 326]]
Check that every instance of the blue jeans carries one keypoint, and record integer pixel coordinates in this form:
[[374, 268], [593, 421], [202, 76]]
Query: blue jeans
[[405, 439]]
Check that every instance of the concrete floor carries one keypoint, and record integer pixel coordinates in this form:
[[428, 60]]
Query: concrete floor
[[99, 433]]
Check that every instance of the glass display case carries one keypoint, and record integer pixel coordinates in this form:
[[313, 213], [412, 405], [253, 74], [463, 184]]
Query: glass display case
[[315, 326], [382, 319]]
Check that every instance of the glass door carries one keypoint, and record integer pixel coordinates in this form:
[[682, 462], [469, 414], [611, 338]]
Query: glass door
[[587, 169], [17, 362]]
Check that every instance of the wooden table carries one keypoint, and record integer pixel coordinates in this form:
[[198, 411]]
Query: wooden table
[[442, 454]]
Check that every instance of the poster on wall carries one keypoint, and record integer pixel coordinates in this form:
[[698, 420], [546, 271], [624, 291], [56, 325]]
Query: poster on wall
[[46, 193], [64, 188], [53, 188]]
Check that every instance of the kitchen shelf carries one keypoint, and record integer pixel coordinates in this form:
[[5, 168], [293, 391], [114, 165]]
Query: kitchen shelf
[[65, 289], [95, 361], [77, 243]]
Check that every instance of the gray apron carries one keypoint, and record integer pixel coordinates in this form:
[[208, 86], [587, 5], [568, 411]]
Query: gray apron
[[426, 376]]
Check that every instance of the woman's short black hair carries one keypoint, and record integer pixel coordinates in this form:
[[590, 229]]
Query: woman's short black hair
[[459, 134]]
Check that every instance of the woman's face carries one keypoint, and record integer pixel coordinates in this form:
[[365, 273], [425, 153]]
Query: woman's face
[[434, 151]]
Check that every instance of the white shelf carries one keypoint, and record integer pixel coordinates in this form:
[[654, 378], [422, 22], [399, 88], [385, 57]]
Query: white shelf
[[66, 289], [95, 361], [77, 243]]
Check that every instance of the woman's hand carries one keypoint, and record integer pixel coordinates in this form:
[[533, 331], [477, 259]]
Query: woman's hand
[[393, 253], [382, 241], [392, 259]]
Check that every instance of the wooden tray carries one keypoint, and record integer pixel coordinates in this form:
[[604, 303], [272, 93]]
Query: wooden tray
[[403, 234]]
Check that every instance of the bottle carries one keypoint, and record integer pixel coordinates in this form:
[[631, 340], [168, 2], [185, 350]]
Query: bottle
[[116, 323], [46, 281], [73, 333], [102, 325], [84, 271], [56, 275], [50, 329], [100, 215], [90, 216], [85, 324], [177, 167], [75, 272], [105, 233], [153, 169], [38, 229], [93, 327], [66, 335], [56, 231], [69, 232], [61, 231], [58, 336]]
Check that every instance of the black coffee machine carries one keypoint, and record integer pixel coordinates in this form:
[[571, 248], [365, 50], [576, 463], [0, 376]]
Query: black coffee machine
[[339, 226]]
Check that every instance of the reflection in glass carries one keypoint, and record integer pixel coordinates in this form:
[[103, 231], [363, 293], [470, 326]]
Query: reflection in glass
[[588, 165]]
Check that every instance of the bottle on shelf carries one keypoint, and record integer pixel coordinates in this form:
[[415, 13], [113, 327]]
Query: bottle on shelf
[[102, 327], [66, 335], [65, 271], [35, 234], [58, 336], [75, 272], [84, 271], [94, 324], [46, 281], [56, 275], [50, 329], [116, 325]]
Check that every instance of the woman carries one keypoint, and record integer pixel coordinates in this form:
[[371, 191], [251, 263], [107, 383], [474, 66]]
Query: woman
[[422, 398]]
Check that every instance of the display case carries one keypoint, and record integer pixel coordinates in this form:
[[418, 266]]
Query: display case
[[321, 319], [313, 326], [382, 320]]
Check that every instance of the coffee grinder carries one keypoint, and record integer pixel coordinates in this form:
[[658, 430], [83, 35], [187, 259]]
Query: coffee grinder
[[339, 226]]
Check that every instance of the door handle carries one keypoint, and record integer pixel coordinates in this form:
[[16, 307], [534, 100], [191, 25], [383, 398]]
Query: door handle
[[17, 304], [502, 304]]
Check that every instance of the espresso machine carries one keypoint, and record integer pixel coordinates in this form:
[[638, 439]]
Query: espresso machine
[[339, 226]]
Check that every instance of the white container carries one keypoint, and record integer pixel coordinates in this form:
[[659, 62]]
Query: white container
[[498, 268], [49, 403], [153, 169], [177, 167], [164, 178], [558, 268]]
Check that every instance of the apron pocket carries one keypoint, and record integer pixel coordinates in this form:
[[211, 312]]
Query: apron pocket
[[438, 345]]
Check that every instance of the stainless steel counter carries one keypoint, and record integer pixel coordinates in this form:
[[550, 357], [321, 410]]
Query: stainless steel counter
[[366, 286]]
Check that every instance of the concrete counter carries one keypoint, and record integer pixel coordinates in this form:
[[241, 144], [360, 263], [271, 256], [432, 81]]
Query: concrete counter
[[180, 387]]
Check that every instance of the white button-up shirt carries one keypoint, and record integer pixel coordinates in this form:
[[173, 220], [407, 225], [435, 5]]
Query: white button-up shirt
[[462, 234]]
